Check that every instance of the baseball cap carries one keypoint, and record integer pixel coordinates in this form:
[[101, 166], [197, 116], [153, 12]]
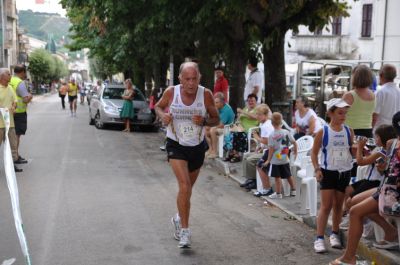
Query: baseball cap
[[396, 122], [336, 102]]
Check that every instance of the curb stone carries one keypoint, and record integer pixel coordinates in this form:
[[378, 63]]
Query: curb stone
[[364, 249]]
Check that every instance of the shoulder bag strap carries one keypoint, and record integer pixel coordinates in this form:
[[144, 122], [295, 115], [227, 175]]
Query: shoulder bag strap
[[325, 139], [388, 159]]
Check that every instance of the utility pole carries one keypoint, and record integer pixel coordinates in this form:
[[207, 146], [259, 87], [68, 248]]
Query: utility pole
[[3, 34]]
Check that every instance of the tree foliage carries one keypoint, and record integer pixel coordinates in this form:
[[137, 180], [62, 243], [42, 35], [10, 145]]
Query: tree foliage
[[45, 67], [138, 37]]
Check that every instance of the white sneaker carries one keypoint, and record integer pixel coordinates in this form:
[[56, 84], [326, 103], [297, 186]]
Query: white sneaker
[[345, 223], [176, 222], [185, 238], [335, 241], [275, 196], [292, 193], [319, 246]]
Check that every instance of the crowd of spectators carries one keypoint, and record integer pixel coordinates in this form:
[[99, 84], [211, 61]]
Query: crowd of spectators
[[359, 117]]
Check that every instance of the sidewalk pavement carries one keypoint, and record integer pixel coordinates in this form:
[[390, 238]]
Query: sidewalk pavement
[[291, 206]]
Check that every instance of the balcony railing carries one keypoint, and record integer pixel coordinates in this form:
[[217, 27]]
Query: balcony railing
[[324, 46]]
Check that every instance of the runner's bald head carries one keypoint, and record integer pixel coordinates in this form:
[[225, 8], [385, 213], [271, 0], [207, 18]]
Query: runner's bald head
[[189, 65]]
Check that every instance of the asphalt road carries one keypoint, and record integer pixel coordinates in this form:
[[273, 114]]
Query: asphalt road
[[94, 197]]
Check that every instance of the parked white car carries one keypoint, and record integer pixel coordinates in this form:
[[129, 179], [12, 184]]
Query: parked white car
[[106, 105]]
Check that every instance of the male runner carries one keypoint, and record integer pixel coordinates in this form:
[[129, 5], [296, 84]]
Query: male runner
[[191, 107]]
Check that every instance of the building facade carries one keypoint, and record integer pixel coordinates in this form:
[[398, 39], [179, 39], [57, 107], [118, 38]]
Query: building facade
[[9, 33], [369, 33]]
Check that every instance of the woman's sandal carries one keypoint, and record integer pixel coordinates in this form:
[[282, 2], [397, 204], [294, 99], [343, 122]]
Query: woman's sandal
[[339, 262], [227, 158], [384, 244]]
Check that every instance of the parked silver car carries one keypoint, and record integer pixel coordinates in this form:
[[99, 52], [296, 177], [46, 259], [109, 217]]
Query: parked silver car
[[106, 104]]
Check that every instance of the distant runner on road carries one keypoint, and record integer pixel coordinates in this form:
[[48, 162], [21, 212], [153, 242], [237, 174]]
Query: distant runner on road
[[191, 107], [73, 96]]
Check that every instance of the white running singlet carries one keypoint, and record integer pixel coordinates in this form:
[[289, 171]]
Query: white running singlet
[[336, 154], [182, 129]]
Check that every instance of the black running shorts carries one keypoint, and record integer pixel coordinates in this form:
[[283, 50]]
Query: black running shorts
[[194, 155], [364, 185], [72, 98], [335, 180]]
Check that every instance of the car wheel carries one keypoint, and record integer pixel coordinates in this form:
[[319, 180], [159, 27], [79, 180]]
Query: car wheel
[[91, 121], [97, 121]]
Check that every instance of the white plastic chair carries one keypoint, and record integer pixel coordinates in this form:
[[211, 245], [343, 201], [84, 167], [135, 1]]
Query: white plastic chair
[[304, 145], [380, 234], [250, 138], [322, 121], [287, 127], [258, 181], [221, 141], [307, 187]]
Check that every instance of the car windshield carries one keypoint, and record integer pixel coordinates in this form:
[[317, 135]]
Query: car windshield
[[113, 92], [138, 95]]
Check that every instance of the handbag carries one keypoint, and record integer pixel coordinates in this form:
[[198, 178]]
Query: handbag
[[389, 191], [236, 127]]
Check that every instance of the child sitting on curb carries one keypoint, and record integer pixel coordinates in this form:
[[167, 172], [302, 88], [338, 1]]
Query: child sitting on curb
[[277, 164]]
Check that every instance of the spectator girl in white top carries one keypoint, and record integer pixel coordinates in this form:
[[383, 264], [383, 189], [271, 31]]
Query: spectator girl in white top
[[266, 129], [334, 171], [306, 119]]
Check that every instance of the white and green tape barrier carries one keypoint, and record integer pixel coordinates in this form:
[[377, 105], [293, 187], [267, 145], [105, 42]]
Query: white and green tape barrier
[[13, 188]]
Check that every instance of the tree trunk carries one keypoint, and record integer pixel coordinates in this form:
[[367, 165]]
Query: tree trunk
[[139, 74], [178, 60], [128, 74], [207, 71], [160, 72], [148, 82], [275, 78], [237, 71]]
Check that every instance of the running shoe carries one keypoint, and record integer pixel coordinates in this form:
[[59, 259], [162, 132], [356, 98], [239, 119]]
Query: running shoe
[[263, 192], [292, 193], [335, 241], [319, 246], [176, 222], [185, 238], [275, 196]]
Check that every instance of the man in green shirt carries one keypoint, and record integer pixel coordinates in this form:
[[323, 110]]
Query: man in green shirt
[[8, 100]]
